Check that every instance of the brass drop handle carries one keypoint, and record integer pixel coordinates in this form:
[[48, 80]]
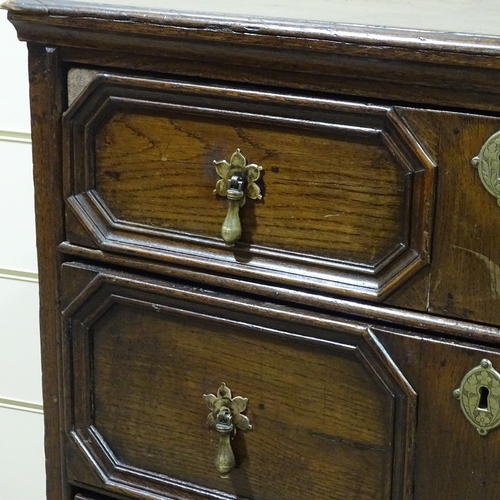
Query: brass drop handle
[[225, 416], [479, 396], [231, 227], [237, 181]]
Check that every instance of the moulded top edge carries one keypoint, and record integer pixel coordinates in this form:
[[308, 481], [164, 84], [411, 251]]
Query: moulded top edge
[[455, 25]]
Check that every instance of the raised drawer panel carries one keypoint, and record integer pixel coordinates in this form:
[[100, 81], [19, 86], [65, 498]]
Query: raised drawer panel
[[349, 202], [334, 403], [297, 410], [347, 187], [306, 201], [341, 420]]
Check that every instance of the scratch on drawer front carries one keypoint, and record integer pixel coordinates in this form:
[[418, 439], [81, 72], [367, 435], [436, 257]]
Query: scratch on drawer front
[[493, 269], [347, 442]]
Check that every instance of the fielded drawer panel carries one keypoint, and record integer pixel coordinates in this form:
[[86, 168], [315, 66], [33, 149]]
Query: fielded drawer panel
[[342, 422], [144, 353], [347, 188], [349, 202]]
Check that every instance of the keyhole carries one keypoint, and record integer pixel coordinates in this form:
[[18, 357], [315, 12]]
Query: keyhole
[[483, 398]]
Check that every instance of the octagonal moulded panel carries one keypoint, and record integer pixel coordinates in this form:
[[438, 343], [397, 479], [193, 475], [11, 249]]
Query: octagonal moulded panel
[[347, 187], [142, 353]]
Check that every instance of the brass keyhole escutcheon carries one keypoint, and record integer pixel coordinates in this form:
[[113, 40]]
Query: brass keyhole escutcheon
[[487, 163], [237, 181], [225, 417], [479, 396]]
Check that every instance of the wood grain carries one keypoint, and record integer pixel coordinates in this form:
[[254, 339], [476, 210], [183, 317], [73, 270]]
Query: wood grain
[[149, 363], [309, 418], [322, 195], [379, 313], [347, 188], [46, 107], [464, 461], [465, 270], [392, 64], [440, 418]]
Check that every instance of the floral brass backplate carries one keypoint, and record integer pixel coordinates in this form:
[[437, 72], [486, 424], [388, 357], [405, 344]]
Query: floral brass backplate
[[479, 396], [225, 417], [237, 182], [488, 165]]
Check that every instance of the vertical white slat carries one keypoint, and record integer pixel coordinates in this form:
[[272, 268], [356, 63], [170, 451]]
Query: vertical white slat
[[22, 473], [20, 370], [14, 102], [17, 217], [22, 462]]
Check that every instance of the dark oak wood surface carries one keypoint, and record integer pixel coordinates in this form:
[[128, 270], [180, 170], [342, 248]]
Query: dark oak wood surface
[[46, 107], [462, 279], [145, 358], [409, 65], [305, 200], [465, 280], [340, 418], [452, 459], [308, 418], [347, 187], [345, 192]]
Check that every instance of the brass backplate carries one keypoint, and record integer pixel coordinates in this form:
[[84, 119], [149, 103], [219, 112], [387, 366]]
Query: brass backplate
[[479, 396], [488, 165]]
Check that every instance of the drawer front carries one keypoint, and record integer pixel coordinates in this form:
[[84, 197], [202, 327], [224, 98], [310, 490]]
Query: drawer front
[[346, 188], [332, 417], [463, 278], [332, 403], [454, 459]]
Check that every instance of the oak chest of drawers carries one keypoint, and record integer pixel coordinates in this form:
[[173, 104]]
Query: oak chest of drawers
[[269, 256]]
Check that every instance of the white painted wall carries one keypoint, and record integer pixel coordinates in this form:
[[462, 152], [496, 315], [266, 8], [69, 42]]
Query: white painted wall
[[22, 474], [14, 104]]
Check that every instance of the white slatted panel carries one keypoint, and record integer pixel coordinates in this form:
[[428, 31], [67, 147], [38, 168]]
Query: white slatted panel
[[20, 372], [17, 220], [22, 475], [14, 104], [22, 463]]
